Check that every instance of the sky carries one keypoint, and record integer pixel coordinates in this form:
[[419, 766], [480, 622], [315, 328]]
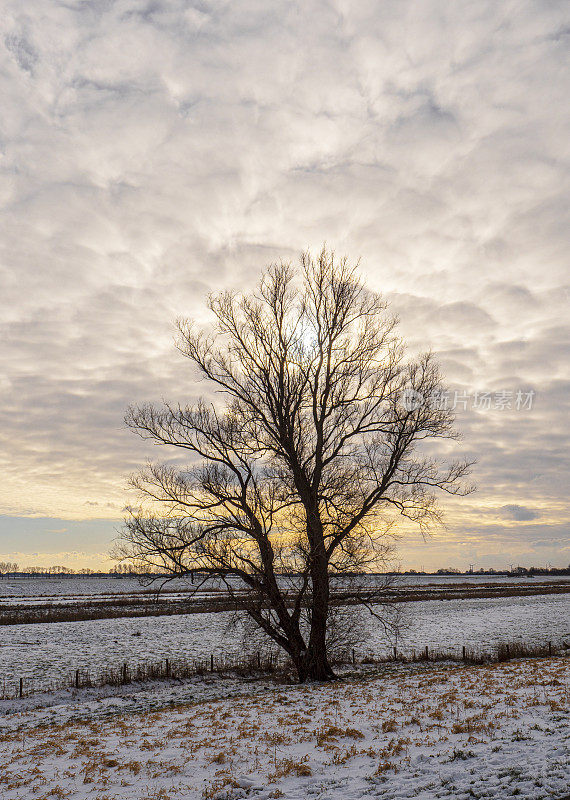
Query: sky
[[153, 152]]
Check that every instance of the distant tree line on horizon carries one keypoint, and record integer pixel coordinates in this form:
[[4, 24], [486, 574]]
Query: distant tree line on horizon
[[132, 570], [8, 568]]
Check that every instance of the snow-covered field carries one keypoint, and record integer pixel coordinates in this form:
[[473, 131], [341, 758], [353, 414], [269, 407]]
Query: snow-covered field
[[423, 731], [41, 653], [34, 589]]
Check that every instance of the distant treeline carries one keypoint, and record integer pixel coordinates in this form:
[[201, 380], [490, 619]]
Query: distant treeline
[[528, 571], [132, 570], [6, 568]]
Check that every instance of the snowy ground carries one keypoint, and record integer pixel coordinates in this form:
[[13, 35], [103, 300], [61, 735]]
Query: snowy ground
[[34, 589], [42, 653], [423, 731]]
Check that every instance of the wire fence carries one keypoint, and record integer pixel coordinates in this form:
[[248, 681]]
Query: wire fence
[[263, 663]]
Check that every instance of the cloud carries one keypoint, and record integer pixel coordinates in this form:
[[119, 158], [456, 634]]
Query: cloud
[[152, 154], [519, 513]]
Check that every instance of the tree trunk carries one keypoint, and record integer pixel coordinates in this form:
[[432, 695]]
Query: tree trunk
[[317, 667], [313, 665]]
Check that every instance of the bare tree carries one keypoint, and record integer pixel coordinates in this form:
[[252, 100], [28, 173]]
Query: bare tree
[[294, 473]]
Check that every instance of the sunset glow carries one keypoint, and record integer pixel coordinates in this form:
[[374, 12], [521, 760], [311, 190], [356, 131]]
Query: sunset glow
[[152, 154]]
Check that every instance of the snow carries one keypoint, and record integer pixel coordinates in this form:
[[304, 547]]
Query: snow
[[44, 653], [32, 589], [399, 731]]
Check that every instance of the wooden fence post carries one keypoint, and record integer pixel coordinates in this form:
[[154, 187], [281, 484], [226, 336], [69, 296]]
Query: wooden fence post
[[463, 654], [21, 687], [549, 648], [167, 668], [212, 663], [77, 679], [427, 653], [395, 654], [353, 656]]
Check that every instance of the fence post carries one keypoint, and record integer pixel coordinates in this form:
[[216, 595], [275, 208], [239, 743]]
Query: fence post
[[508, 651], [549, 648], [353, 656], [167, 668], [212, 662], [77, 679], [427, 653], [125, 672], [463, 654], [21, 687], [395, 654]]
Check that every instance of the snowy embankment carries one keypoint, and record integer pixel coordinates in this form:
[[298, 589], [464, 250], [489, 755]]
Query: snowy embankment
[[422, 731]]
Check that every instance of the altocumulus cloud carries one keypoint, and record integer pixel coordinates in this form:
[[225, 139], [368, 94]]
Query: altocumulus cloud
[[152, 153]]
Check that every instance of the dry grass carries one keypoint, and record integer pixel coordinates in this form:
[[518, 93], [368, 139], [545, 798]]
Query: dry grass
[[293, 733]]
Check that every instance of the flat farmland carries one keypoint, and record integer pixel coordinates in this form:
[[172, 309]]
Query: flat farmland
[[44, 653]]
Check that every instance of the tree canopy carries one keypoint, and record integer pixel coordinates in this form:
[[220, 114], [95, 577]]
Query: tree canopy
[[309, 450]]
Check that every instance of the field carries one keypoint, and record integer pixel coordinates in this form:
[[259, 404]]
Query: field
[[44, 653], [392, 730], [424, 731], [31, 599]]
